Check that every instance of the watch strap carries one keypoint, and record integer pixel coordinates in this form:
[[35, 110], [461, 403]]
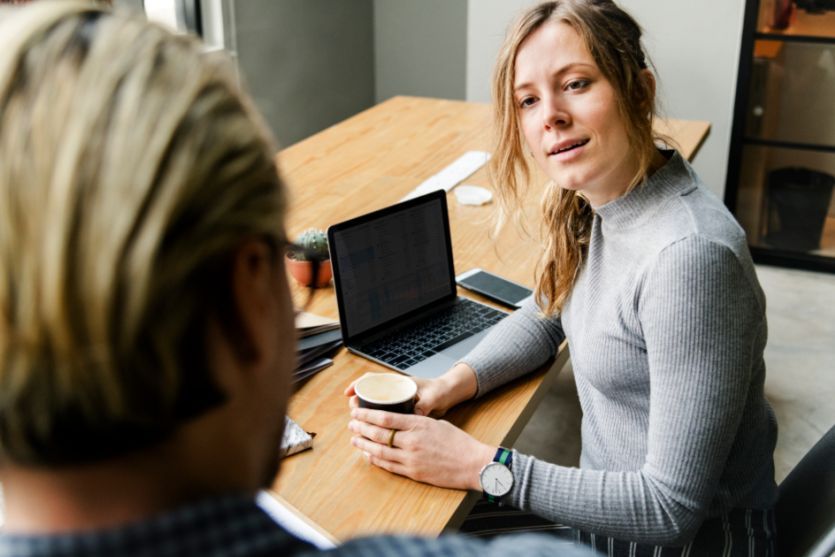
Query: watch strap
[[505, 457]]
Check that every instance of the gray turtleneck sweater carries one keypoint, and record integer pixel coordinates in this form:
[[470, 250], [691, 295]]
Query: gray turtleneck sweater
[[666, 327]]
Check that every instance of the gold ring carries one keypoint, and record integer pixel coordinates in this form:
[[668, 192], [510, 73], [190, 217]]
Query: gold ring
[[391, 438]]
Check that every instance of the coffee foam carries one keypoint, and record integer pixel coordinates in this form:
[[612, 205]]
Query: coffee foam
[[385, 388]]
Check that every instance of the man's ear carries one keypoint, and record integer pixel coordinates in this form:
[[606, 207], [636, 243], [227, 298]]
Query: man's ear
[[253, 299]]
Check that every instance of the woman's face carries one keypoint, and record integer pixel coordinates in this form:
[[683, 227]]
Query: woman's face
[[569, 116]]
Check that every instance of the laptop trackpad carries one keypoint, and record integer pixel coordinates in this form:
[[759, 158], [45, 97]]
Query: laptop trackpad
[[440, 363]]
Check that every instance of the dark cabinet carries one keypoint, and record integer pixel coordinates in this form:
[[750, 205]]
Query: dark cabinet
[[781, 169]]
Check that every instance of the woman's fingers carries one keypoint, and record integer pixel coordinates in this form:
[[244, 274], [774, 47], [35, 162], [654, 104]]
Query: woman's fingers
[[387, 420], [427, 450], [376, 450], [427, 408], [390, 465], [372, 432]]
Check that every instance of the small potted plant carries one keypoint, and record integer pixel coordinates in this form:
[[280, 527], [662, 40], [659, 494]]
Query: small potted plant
[[310, 250]]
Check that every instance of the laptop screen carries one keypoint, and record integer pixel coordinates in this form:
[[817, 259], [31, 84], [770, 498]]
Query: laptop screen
[[392, 262]]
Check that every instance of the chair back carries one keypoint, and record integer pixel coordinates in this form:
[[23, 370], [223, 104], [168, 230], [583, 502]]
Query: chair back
[[805, 510]]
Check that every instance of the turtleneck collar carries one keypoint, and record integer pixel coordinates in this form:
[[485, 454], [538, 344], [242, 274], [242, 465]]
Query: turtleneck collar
[[634, 207]]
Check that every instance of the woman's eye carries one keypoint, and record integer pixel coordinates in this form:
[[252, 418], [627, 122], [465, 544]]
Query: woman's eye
[[526, 102], [577, 84]]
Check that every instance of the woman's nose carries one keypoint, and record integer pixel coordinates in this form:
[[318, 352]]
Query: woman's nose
[[555, 115]]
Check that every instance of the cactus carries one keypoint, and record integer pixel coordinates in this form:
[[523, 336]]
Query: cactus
[[315, 246]]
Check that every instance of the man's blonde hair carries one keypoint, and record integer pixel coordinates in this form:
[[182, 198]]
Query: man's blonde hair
[[131, 167]]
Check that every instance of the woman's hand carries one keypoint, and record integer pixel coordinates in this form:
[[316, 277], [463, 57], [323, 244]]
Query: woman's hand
[[424, 449], [436, 396]]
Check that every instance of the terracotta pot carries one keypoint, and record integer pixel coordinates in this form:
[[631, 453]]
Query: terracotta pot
[[302, 271]]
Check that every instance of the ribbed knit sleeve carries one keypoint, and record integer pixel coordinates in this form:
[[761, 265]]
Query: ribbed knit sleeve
[[701, 321], [519, 344]]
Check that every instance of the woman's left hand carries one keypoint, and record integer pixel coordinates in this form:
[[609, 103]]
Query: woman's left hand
[[424, 449]]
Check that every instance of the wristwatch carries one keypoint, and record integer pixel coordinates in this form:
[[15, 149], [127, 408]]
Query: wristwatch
[[496, 478]]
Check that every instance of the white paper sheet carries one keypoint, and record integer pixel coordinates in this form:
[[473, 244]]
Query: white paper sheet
[[292, 522]]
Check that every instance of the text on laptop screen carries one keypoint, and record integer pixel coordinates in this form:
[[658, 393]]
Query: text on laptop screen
[[393, 265]]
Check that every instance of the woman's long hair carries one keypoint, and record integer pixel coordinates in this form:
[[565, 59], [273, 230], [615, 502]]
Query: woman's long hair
[[614, 40]]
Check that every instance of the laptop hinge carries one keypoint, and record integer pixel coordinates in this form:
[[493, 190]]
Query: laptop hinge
[[390, 329]]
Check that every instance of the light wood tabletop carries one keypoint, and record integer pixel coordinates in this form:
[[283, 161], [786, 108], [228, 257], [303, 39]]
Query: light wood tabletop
[[362, 164]]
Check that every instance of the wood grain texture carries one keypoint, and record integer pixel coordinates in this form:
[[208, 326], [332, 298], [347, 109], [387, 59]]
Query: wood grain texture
[[365, 163]]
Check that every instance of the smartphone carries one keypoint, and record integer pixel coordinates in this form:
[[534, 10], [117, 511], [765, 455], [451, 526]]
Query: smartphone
[[494, 287]]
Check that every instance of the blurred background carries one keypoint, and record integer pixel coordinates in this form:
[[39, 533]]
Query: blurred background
[[312, 63]]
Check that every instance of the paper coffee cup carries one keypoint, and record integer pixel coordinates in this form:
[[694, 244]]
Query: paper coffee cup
[[387, 391]]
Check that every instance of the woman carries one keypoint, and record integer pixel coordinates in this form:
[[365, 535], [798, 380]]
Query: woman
[[649, 278]]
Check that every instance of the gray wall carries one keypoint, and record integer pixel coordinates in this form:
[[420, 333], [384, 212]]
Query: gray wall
[[420, 48], [307, 63]]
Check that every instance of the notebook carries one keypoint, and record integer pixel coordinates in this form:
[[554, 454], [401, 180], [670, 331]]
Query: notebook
[[395, 289]]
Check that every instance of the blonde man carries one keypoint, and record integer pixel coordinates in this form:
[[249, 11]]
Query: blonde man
[[146, 328]]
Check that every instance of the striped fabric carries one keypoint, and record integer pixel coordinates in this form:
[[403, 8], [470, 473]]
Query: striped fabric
[[739, 533]]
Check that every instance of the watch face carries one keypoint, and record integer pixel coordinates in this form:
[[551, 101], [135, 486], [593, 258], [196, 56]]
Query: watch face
[[496, 479]]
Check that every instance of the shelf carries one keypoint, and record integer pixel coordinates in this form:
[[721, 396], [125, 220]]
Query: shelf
[[790, 97], [788, 144], [793, 260], [767, 49], [782, 157], [794, 38], [803, 27]]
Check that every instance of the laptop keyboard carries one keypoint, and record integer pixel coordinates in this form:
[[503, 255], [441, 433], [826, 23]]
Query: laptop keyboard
[[409, 346]]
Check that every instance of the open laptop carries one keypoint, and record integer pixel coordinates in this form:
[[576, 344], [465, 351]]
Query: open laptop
[[395, 287]]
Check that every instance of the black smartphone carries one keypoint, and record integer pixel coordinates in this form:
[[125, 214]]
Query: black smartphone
[[494, 287]]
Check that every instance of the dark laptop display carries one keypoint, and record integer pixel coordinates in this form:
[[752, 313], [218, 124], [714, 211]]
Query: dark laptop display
[[392, 265], [395, 286]]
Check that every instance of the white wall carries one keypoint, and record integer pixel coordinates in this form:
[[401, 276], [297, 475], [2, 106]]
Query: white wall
[[694, 45]]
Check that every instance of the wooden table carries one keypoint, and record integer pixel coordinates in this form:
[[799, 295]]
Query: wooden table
[[364, 163]]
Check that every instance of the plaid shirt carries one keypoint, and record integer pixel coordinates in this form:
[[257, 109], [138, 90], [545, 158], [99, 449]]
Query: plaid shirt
[[236, 526]]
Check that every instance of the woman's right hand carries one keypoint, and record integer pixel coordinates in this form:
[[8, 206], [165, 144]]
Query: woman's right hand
[[436, 396]]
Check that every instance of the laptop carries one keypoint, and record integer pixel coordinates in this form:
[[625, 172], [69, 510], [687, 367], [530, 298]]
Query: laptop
[[395, 287]]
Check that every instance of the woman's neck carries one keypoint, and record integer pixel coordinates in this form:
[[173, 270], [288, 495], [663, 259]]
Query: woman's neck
[[658, 160]]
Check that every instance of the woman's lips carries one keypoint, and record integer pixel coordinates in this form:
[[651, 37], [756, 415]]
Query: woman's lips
[[569, 149]]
